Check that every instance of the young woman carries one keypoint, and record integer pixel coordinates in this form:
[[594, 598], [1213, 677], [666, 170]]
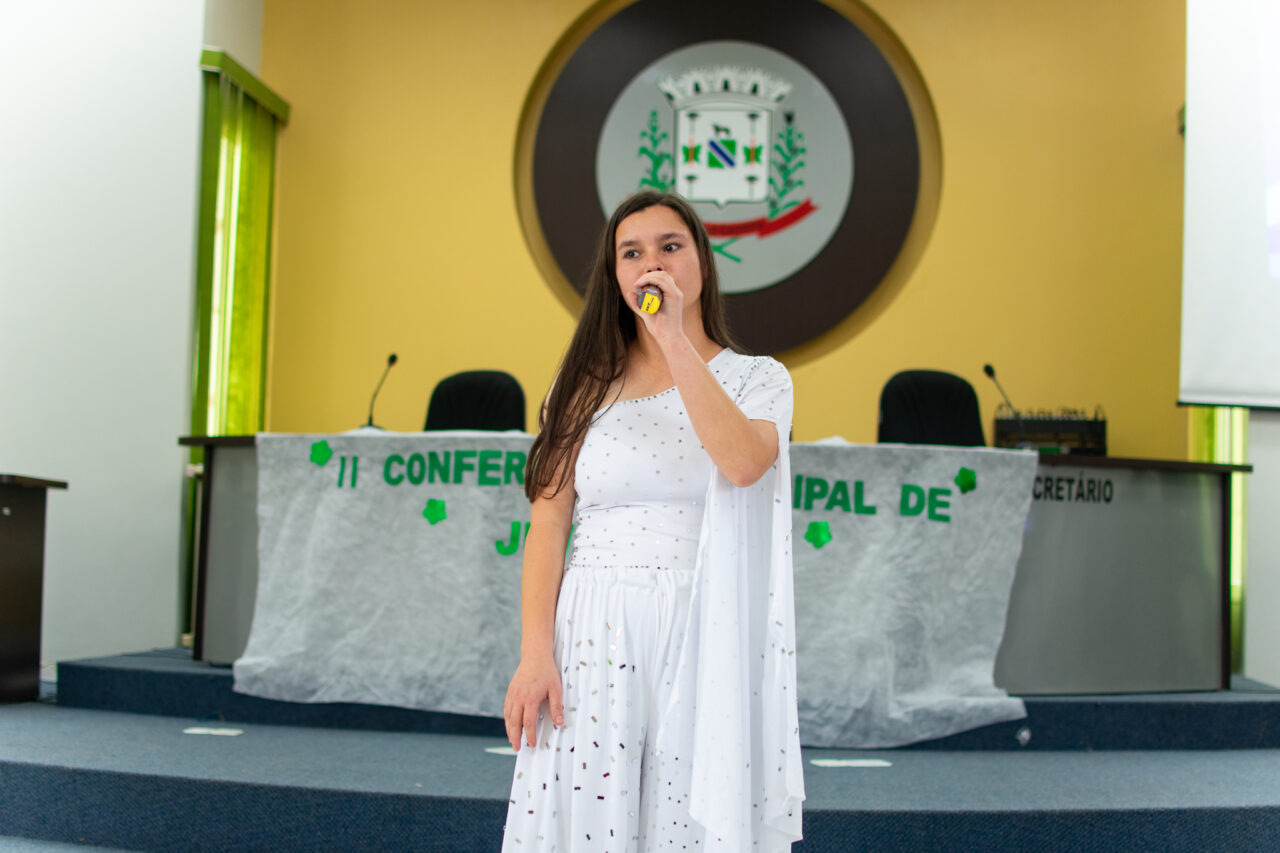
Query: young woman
[[654, 704]]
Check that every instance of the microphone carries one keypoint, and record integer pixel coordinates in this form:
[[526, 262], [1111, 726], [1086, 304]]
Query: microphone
[[649, 300], [991, 374], [391, 360]]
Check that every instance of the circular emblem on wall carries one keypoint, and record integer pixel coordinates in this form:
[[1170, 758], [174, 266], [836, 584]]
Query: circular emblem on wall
[[785, 125], [749, 136]]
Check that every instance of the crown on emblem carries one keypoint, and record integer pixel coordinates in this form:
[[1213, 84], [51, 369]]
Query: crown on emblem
[[699, 84]]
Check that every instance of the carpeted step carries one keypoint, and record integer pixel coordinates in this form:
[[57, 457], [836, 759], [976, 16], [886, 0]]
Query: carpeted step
[[145, 782]]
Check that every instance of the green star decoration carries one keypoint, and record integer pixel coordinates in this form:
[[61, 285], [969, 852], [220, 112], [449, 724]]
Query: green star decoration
[[818, 534], [435, 511], [321, 453], [967, 480]]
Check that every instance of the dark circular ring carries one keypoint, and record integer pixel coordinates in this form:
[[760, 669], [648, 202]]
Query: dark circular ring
[[863, 84]]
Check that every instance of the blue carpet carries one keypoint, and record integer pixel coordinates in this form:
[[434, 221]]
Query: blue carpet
[[169, 682], [138, 782], [1189, 831]]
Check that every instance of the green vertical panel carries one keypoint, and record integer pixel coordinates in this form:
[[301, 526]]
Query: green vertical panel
[[237, 318], [202, 351], [247, 303], [225, 283], [237, 197], [206, 244], [1200, 433], [1220, 434], [237, 176], [268, 219]]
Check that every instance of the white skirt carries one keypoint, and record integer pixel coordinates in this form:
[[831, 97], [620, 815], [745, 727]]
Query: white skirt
[[598, 782]]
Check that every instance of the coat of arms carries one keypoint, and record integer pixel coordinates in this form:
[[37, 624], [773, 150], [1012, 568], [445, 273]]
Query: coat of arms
[[729, 147], [723, 117]]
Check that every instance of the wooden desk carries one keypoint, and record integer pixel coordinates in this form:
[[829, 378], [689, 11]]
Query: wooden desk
[[1124, 581], [228, 503]]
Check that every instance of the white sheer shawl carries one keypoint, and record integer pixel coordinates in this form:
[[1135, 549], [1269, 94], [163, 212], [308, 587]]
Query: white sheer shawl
[[733, 709]]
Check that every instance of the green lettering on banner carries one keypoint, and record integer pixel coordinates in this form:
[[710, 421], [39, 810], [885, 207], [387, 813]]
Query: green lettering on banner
[[937, 503], [437, 466], [387, 476], [859, 507], [815, 488], [414, 470], [839, 497], [490, 465], [512, 544], [797, 491], [913, 500], [514, 469], [459, 466], [342, 470]]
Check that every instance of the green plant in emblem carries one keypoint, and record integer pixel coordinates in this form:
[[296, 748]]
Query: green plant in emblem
[[722, 248], [652, 138], [786, 163]]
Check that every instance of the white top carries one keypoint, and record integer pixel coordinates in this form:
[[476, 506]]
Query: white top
[[641, 479]]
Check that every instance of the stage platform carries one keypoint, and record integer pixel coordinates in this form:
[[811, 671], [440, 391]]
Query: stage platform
[[146, 781], [169, 682]]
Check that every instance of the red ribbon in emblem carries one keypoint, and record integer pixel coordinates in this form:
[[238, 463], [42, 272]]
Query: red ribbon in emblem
[[762, 226]]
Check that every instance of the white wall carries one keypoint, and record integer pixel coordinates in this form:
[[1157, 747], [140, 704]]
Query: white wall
[[235, 27], [1262, 571], [99, 146], [1231, 193]]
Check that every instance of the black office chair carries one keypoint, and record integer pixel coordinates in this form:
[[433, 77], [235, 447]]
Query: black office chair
[[930, 407], [476, 399]]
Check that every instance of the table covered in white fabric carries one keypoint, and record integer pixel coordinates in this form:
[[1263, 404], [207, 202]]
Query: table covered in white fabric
[[389, 573]]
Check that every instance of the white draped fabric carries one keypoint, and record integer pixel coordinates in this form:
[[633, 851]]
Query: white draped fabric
[[898, 617], [733, 709], [901, 614]]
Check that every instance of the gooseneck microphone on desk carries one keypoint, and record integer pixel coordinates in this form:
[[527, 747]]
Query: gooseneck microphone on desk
[[391, 360], [991, 374]]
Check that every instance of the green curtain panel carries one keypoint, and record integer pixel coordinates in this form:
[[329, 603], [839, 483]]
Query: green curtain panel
[[237, 184], [233, 265], [1221, 434]]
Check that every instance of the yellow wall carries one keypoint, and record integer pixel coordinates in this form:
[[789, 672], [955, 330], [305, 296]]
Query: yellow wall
[[1056, 253]]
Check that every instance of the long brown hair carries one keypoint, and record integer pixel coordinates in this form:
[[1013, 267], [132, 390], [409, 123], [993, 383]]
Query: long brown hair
[[597, 354]]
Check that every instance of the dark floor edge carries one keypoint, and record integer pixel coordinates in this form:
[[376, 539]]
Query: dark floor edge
[[144, 812], [205, 696], [1084, 831]]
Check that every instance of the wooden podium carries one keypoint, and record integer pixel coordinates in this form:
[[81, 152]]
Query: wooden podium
[[22, 512]]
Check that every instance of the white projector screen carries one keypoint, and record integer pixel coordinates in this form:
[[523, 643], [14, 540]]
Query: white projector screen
[[1231, 216]]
